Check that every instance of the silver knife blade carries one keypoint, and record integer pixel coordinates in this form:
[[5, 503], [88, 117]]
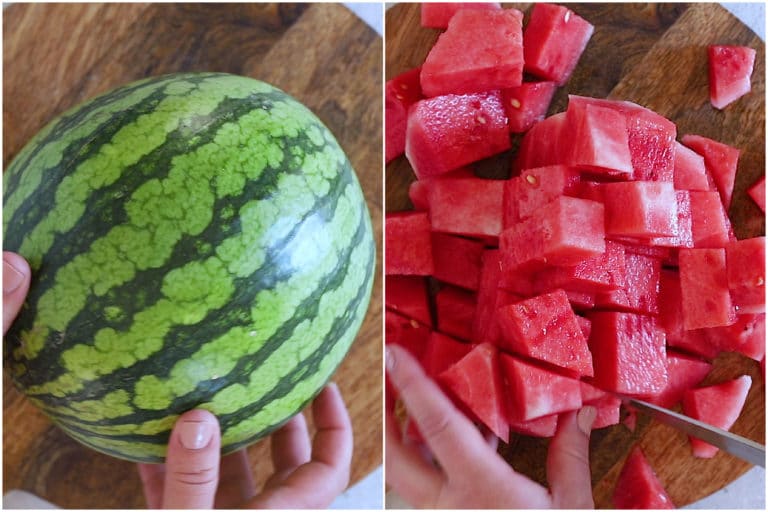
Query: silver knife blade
[[739, 446]]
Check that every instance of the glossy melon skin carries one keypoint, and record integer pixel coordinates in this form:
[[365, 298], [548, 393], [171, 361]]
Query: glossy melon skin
[[196, 241]]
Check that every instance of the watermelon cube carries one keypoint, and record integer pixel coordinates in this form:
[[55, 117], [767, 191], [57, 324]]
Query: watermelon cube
[[455, 311], [541, 145], [597, 139], [417, 190], [563, 232], [524, 195], [585, 325], [545, 328], [408, 244], [447, 132], [489, 298], [553, 42], [745, 262], [638, 487], [399, 94], [442, 352], [406, 332], [704, 286], [468, 206], [710, 226], [640, 209], [481, 50], [745, 336], [457, 260], [757, 193], [604, 272], [685, 372], [438, 14], [527, 104], [476, 381], [640, 293], [408, 296], [690, 171], [628, 353], [721, 161], [730, 69], [546, 426], [534, 392], [719, 405], [684, 236]]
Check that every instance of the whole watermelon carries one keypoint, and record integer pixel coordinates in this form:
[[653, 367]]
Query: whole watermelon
[[196, 241]]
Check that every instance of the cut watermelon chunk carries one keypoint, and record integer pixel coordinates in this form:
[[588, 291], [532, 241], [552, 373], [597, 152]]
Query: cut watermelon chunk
[[526, 194], [684, 237], [638, 487], [417, 190], [745, 336], [455, 311], [442, 352], [608, 406], [533, 391], [476, 381], [628, 353], [585, 325], [546, 426], [718, 405], [685, 372], [710, 226], [604, 272], [563, 232], [527, 104], [468, 206], [438, 14], [489, 298], [640, 293], [745, 262], [704, 285], [730, 69], [721, 161], [541, 146], [447, 132], [581, 301], [399, 94], [408, 296], [690, 171], [481, 50], [757, 193], [554, 40], [409, 244], [545, 328], [640, 209], [457, 260], [406, 332], [597, 139]]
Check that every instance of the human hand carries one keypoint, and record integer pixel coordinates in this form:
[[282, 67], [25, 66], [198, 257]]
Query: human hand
[[471, 473], [305, 475], [16, 277]]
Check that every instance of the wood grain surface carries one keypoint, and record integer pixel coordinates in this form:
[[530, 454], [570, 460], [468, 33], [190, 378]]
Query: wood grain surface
[[655, 55], [57, 55]]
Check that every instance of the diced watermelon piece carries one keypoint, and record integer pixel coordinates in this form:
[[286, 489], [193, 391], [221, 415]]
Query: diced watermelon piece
[[690, 172], [730, 69], [417, 190], [553, 42], [516, 281], [757, 193], [718, 405], [399, 94], [408, 296], [591, 190], [546, 426], [604, 272], [640, 209], [541, 145], [545, 327], [447, 132], [745, 262], [746, 336], [533, 391], [527, 104], [581, 301], [468, 206], [585, 325], [481, 50], [630, 420], [640, 293], [710, 226], [721, 161], [406, 332], [638, 487], [489, 298], [704, 286], [526, 194], [563, 232], [457, 260], [442, 352], [628, 353], [597, 139], [685, 372], [608, 406], [684, 237], [409, 244], [477, 382], [455, 311], [438, 14]]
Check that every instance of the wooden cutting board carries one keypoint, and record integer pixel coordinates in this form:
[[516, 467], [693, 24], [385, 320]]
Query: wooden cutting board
[[57, 55], [654, 55]]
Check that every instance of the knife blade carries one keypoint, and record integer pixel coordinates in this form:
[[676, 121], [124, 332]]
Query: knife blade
[[739, 446]]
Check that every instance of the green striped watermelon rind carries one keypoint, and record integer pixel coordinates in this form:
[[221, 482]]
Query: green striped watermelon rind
[[210, 214]]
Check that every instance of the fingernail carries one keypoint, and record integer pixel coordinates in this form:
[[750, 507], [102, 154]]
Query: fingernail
[[389, 359], [195, 435], [12, 278], [585, 418]]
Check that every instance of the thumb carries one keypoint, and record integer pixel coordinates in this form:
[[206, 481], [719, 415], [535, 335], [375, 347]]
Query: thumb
[[568, 460], [16, 277], [192, 463]]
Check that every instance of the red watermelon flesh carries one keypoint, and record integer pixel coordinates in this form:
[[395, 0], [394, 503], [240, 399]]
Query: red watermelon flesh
[[746, 336], [408, 296], [608, 406], [684, 236], [640, 209], [685, 372], [476, 381], [466, 206], [417, 190], [690, 172], [409, 244], [710, 226], [438, 14], [524, 195], [745, 261], [597, 140], [457, 260], [718, 405], [489, 298], [455, 311], [604, 272], [721, 161], [585, 325], [442, 352], [481, 50], [546, 426], [757, 193], [638, 487], [533, 391], [399, 94], [406, 332], [640, 293], [545, 328], [541, 145], [527, 104], [704, 285], [581, 301], [730, 69]]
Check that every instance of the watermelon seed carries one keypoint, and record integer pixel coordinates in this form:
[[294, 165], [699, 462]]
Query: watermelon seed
[[567, 16], [515, 102], [480, 119], [531, 179]]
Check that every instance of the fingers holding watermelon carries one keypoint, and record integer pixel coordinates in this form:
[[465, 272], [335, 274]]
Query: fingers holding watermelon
[[568, 471], [16, 277]]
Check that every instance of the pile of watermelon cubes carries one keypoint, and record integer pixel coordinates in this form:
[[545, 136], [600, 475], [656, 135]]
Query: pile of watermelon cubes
[[606, 264]]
